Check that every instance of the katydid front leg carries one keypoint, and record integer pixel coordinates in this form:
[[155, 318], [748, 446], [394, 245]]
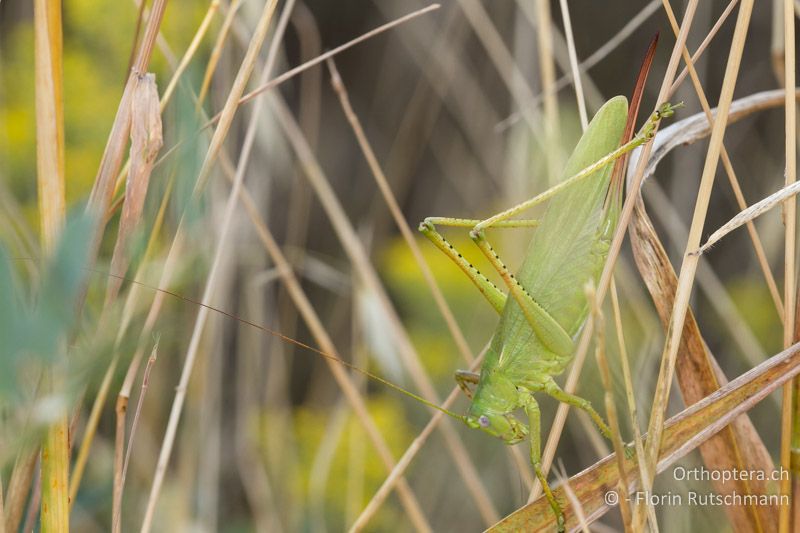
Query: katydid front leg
[[552, 334], [535, 425], [465, 378], [495, 297]]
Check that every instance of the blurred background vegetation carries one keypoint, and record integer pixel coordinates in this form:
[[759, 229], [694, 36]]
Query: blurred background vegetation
[[267, 441]]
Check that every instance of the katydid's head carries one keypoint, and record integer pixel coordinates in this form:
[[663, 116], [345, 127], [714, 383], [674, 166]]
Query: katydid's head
[[503, 426], [495, 398]]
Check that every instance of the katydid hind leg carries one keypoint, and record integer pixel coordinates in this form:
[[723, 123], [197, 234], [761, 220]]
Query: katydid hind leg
[[645, 134], [552, 389], [535, 424], [470, 223], [549, 331]]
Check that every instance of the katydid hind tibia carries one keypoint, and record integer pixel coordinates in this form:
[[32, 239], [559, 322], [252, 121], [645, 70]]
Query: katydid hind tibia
[[546, 304]]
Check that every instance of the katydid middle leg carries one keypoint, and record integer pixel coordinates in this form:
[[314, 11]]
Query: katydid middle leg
[[552, 389]]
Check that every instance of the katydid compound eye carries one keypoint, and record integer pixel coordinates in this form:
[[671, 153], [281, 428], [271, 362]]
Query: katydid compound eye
[[483, 421]]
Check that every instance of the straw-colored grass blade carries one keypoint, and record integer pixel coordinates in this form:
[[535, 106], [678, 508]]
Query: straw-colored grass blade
[[49, 118], [790, 436], [751, 213], [146, 141], [50, 181]]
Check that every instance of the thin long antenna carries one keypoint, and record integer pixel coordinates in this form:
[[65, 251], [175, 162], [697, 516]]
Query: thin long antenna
[[281, 336]]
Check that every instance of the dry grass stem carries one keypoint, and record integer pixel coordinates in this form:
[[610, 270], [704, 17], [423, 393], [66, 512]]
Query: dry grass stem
[[689, 265], [630, 397], [49, 119], [190, 51], [544, 36], [749, 214], [573, 61], [119, 482], [216, 52], [611, 412], [727, 165], [573, 500], [220, 133]]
